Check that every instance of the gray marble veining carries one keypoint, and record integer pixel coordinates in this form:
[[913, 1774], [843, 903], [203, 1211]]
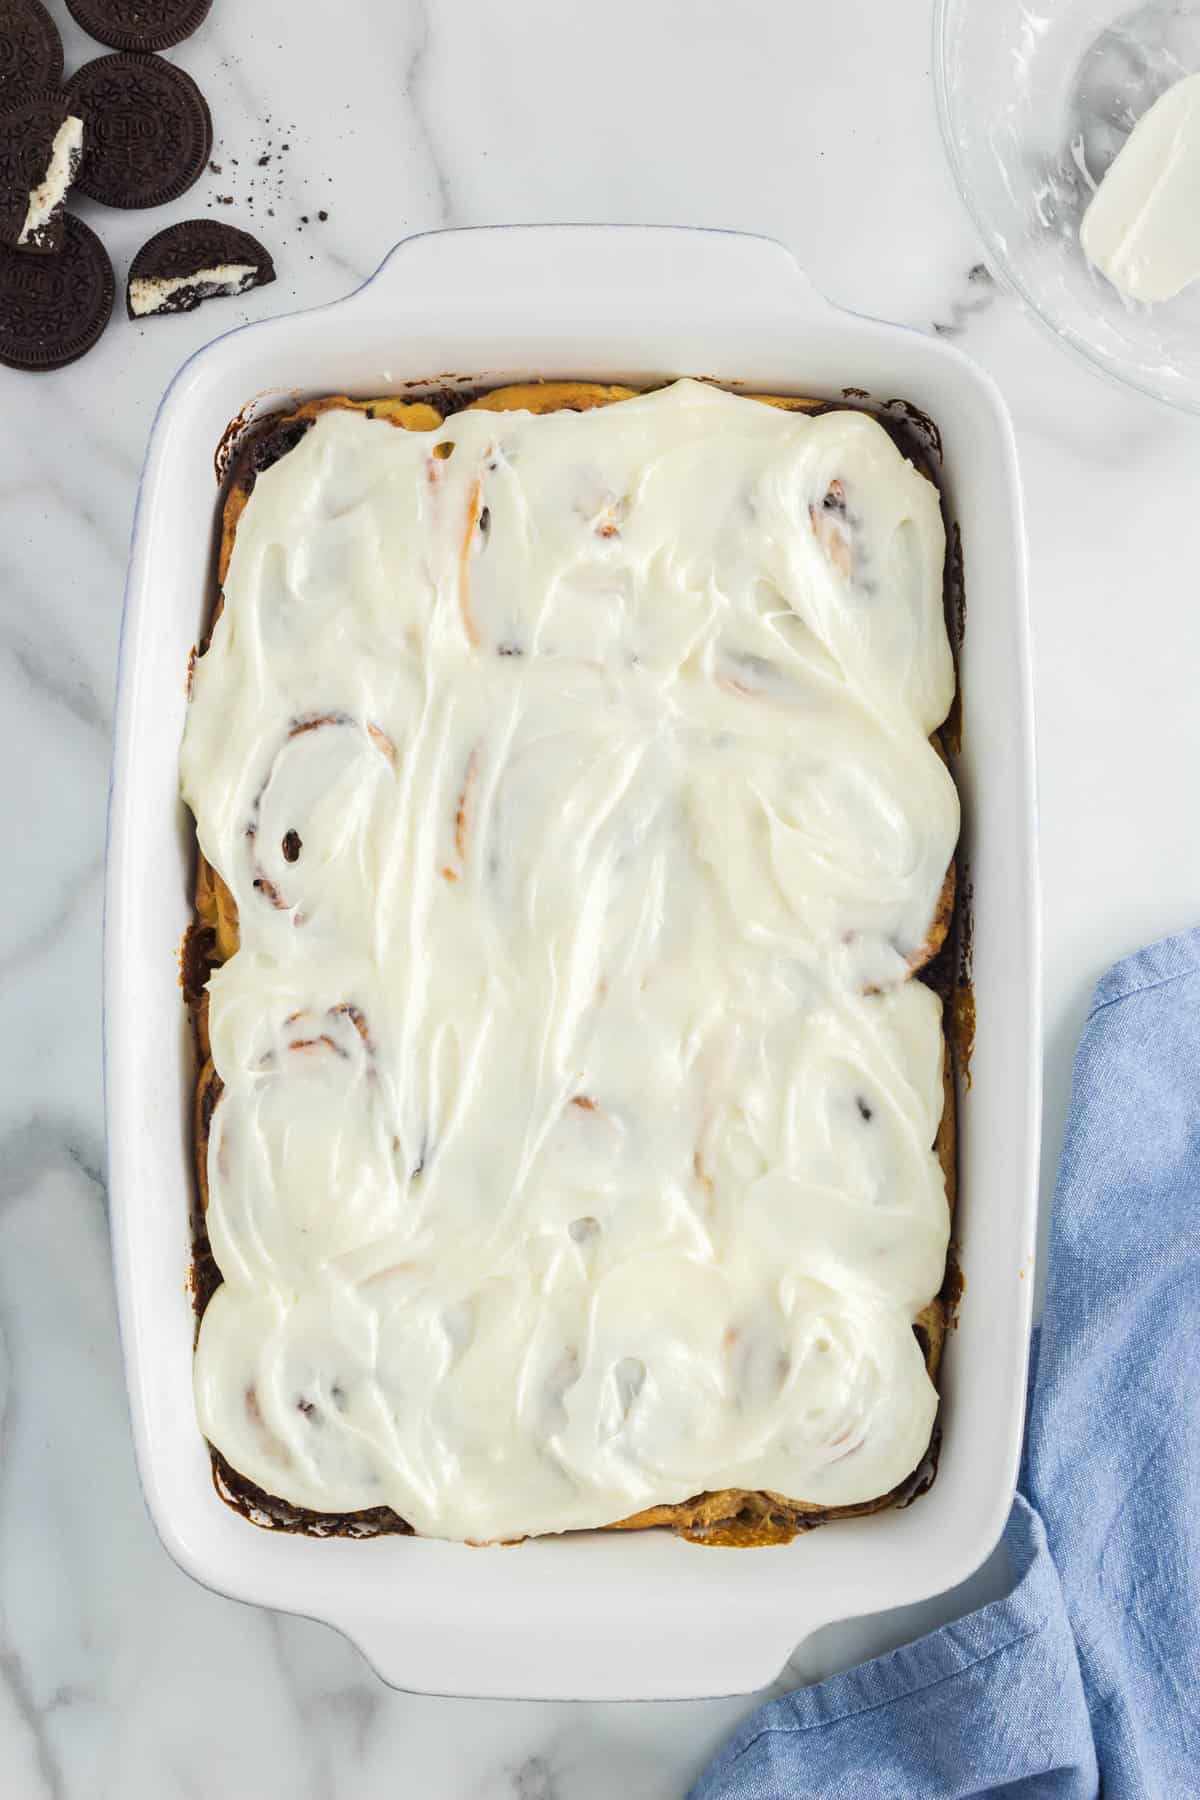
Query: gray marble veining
[[980, 293]]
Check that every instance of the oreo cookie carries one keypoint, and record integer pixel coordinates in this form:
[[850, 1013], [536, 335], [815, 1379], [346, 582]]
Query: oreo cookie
[[31, 52], [149, 130], [199, 259], [41, 143], [139, 24], [54, 308]]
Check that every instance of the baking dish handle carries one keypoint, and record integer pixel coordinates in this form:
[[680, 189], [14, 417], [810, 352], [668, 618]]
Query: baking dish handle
[[522, 1652], [443, 274]]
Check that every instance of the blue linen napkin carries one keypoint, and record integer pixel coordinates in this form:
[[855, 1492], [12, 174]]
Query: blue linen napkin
[[1087, 1677]]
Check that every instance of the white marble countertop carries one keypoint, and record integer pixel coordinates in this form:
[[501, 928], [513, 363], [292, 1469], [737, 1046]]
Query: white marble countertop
[[813, 123]]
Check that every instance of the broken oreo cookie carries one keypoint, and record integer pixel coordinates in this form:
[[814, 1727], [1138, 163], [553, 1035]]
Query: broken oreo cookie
[[31, 52], [149, 130], [41, 142], [139, 24], [196, 260], [54, 308]]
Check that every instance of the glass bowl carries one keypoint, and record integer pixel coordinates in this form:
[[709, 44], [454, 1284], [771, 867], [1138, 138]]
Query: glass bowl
[[1034, 101]]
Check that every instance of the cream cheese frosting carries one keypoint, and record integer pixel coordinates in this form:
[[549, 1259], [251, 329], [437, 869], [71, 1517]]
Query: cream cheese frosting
[[1142, 226], [572, 777]]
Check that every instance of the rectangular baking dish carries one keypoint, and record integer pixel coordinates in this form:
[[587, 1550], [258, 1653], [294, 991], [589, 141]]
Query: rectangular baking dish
[[617, 1615]]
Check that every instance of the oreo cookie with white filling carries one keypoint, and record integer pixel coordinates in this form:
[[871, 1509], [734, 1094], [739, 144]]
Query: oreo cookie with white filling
[[41, 144], [198, 259]]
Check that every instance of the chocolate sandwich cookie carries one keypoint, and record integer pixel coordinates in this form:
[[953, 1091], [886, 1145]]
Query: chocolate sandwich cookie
[[41, 142], [54, 308], [139, 24], [196, 260], [149, 130], [31, 52]]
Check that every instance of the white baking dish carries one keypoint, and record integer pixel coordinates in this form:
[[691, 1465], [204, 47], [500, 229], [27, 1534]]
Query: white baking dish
[[593, 1615]]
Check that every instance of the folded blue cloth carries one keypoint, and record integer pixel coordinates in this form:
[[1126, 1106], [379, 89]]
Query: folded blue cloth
[[1087, 1677]]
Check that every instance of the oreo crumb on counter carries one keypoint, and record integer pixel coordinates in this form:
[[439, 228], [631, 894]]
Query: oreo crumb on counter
[[196, 260], [31, 52], [139, 24], [41, 143], [149, 130], [53, 309]]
